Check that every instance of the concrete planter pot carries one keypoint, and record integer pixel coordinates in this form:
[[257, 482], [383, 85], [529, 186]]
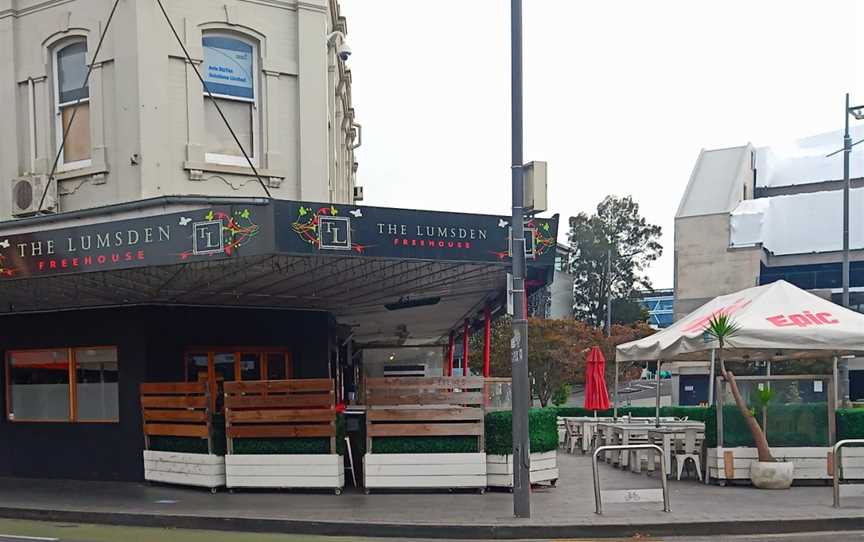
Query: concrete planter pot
[[776, 475]]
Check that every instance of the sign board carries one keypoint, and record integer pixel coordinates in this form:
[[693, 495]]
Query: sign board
[[228, 67], [200, 235], [323, 228], [510, 301], [280, 227]]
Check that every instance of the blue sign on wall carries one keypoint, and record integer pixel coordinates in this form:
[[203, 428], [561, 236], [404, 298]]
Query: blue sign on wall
[[228, 67]]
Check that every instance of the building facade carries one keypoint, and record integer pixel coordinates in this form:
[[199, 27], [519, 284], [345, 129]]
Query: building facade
[[751, 216], [143, 124], [158, 255], [659, 304]]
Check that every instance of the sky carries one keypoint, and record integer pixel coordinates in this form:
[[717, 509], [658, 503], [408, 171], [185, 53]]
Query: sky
[[620, 96]]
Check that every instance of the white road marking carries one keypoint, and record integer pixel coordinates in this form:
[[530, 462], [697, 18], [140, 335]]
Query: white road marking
[[16, 537]]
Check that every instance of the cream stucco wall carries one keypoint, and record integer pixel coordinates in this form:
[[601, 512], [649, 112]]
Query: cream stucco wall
[[705, 266], [147, 105]]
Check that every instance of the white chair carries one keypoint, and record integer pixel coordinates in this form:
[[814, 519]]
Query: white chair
[[573, 430], [690, 450]]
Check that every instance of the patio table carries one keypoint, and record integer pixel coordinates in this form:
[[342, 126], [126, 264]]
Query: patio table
[[621, 434]]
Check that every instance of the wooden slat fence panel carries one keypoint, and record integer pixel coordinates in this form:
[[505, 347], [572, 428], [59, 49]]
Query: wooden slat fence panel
[[422, 407], [176, 409], [280, 409]]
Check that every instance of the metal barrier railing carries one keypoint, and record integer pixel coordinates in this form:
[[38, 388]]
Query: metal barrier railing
[[838, 467], [630, 495]]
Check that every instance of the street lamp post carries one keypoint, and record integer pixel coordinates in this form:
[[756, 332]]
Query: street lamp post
[[858, 113], [519, 343]]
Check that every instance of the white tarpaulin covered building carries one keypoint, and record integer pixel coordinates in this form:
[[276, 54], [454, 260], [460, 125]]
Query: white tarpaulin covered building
[[777, 321]]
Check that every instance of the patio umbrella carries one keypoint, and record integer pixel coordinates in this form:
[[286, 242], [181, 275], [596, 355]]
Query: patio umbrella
[[596, 396]]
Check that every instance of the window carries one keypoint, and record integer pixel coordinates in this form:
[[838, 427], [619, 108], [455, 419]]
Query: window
[[63, 385], [236, 363], [229, 72], [70, 74]]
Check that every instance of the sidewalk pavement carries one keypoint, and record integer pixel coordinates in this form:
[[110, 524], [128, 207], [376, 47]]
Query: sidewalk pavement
[[566, 511]]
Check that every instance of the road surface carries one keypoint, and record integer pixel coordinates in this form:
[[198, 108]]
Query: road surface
[[28, 531]]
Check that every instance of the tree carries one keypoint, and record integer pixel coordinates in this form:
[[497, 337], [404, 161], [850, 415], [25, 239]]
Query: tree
[[557, 352], [616, 229], [722, 328], [628, 311]]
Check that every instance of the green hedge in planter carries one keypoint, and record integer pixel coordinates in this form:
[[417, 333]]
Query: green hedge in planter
[[292, 446], [286, 446], [542, 431], [789, 425], [424, 445], [850, 423], [192, 445]]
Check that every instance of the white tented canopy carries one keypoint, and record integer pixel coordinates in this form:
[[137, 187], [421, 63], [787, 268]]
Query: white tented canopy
[[777, 321]]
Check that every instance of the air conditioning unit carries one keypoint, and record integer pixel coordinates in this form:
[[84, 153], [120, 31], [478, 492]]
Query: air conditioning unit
[[358, 193], [418, 370], [27, 193]]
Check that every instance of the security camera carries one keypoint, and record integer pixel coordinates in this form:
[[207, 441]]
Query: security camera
[[337, 38], [343, 50]]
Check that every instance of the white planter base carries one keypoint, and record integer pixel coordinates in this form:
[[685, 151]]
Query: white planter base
[[310, 471], [810, 463], [199, 470], [499, 469], [424, 471]]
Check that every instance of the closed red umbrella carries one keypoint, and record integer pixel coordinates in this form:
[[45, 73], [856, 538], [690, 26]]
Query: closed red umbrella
[[596, 396]]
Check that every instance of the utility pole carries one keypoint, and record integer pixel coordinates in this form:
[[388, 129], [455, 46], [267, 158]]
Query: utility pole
[[847, 152], [608, 292], [519, 343]]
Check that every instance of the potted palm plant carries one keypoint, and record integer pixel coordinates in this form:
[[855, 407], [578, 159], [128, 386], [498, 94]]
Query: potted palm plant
[[766, 472]]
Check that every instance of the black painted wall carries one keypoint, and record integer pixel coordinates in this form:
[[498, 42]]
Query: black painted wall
[[150, 342]]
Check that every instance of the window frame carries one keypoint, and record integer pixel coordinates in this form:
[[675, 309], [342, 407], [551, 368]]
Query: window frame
[[62, 165], [73, 384], [227, 159], [238, 351]]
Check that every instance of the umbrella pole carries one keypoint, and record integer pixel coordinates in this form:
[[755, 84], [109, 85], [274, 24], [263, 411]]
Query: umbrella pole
[[615, 394], [657, 376]]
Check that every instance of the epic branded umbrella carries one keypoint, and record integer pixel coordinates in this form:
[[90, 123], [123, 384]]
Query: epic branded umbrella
[[596, 396]]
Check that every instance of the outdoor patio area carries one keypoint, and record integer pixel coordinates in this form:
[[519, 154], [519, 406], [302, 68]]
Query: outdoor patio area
[[567, 510]]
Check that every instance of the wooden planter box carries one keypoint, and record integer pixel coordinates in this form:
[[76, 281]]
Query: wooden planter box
[[200, 470], [318, 471], [811, 463], [424, 471], [544, 468]]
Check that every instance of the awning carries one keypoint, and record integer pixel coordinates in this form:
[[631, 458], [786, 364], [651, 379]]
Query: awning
[[394, 276], [777, 321]]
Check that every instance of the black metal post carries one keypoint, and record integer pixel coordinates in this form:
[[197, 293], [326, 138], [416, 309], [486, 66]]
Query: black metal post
[[519, 344]]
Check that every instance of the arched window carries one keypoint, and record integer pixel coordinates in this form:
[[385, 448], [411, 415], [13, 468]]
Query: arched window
[[70, 88], [230, 73]]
